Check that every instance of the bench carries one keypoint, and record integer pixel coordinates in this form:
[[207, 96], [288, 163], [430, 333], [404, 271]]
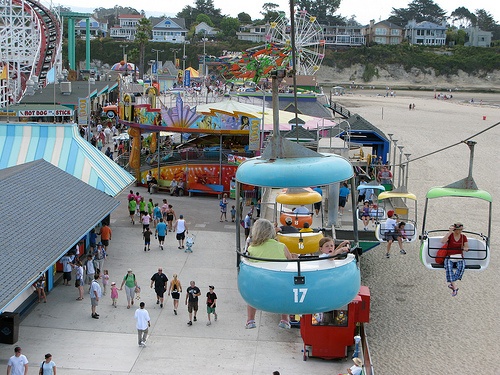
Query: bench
[[477, 258]]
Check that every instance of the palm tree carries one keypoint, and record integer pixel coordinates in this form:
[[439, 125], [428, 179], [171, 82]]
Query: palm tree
[[142, 36]]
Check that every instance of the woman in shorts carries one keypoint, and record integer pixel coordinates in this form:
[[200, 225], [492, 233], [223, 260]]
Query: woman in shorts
[[175, 289]]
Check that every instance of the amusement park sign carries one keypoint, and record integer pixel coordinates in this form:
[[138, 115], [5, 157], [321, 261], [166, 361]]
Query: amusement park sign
[[44, 112]]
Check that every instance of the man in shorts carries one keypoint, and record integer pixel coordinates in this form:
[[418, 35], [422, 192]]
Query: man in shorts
[[105, 235], [161, 232], [181, 230], [66, 262], [192, 294], [160, 281], [95, 295]]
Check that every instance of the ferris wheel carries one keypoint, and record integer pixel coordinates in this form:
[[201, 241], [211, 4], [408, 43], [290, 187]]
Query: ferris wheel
[[309, 41]]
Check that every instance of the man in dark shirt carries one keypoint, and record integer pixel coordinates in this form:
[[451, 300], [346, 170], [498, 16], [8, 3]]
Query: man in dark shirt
[[288, 228], [192, 293], [159, 280]]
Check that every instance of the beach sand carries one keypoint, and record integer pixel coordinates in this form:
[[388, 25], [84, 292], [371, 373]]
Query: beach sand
[[416, 327]]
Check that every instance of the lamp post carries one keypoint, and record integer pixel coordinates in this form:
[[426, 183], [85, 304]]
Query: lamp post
[[204, 54], [157, 52], [175, 50], [390, 140], [91, 81], [124, 52], [184, 58], [407, 169], [400, 164], [395, 141]]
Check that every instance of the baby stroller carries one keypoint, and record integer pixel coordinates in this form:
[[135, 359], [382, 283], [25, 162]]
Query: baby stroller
[[189, 243]]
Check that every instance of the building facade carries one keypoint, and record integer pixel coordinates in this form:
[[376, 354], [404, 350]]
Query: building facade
[[478, 38], [127, 28], [426, 33], [383, 32], [344, 35], [172, 30]]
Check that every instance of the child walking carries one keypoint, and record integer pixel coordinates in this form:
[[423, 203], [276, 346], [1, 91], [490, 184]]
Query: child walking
[[114, 294], [147, 238], [211, 304], [40, 289], [105, 281], [233, 214]]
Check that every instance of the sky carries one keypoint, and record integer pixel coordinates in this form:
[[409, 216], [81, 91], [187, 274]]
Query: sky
[[364, 10]]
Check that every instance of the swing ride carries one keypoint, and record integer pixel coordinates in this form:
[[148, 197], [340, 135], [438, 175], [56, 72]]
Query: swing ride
[[410, 228], [478, 256]]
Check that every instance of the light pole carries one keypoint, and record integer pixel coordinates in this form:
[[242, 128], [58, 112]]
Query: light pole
[[175, 50], [125, 57], [395, 141], [204, 54], [407, 169], [400, 164], [390, 140], [157, 52], [184, 58], [89, 108]]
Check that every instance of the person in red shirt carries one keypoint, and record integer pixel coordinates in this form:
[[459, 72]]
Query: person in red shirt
[[457, 244]]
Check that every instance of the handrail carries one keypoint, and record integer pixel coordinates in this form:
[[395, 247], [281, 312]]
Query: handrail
[[367, 359]]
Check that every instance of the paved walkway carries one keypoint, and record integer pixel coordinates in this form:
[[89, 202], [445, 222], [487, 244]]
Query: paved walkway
[[80, 344]]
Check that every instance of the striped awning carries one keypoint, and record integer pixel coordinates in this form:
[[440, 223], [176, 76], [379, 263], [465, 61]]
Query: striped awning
[[62, 146]]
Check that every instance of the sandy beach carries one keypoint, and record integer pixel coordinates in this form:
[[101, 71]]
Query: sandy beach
[[416, 326]]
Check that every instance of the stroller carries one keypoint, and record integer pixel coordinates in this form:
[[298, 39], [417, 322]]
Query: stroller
[[189, 243]]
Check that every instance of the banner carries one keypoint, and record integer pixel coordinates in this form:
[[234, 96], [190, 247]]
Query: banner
[[254, 135], [187, 78], [82, 111]]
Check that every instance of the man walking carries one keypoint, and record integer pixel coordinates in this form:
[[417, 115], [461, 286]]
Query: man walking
[[161, 232], [159, 280], [95, 295], [105, 233], [18, 363], [181, 230], [143, 322], [193, 292]]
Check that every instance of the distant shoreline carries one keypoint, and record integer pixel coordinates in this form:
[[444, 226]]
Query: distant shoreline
[[408, 87]]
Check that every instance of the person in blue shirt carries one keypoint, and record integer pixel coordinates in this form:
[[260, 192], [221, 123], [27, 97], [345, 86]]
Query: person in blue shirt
[[343, 196], [161, 232], [317, 205]]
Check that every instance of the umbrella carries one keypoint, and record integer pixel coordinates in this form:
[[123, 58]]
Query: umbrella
[[122, 67], [121, 137]]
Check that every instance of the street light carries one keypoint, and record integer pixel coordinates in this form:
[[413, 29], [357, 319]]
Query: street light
[[407, 169], [175, 50], [395, 141], [89, 107], [124, 52], [204, 54], [400, 164], [157, 52], [390, 140], [184, 58]]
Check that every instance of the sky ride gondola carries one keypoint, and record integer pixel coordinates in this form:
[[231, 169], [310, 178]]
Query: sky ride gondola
[[295, 286], [410, 228], [478, 256]]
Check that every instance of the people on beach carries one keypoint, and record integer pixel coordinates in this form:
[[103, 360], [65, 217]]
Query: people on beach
[[175, 289], [263, 245], [454, 262], [211, 303], [130, 285], [143, 322], [192, 294], [48, 367], [159, 280], [328, 249]]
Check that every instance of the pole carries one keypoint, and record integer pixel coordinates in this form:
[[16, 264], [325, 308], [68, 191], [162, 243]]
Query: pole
[[400, 164], [395, 141], [184, 59], [407, 170]]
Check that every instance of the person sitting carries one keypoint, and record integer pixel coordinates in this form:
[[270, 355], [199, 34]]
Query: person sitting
[[179, 191], [454, 263], [287, 228], [302, 210], [306, 229], [328, 249], [365, 214], [376, 213], [392, 234], [263, 245], [173, 187]]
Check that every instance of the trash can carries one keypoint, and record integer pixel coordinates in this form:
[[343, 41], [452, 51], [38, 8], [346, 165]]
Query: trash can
[[9, 328]]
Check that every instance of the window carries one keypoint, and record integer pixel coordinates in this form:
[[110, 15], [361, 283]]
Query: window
[[394, 32], [394, 40], [380, 31], [380, 40]]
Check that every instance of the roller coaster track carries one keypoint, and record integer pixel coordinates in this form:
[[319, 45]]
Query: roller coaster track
[[29, 59]]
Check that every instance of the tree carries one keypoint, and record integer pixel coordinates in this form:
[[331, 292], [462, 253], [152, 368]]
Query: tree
[[229, 26], [207, 7], [189, 14], [244, 17], [486, 22], [323, 10], [204, 18], [458, 37], [142, 36], [418, 10], [270, 12], [463, 17]]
